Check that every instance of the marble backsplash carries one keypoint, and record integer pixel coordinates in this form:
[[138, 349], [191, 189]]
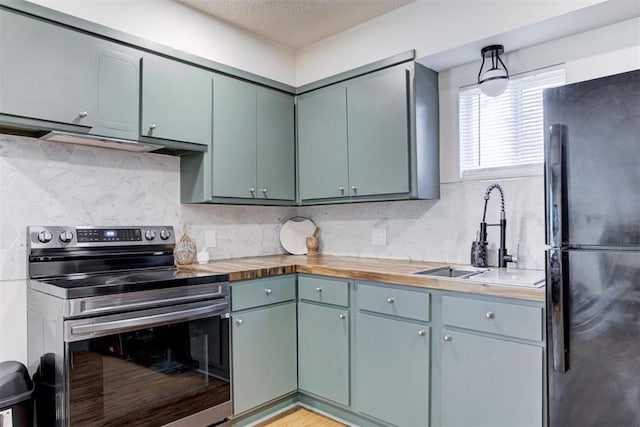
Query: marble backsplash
[[57, 184], [439, 230], [47, 183]]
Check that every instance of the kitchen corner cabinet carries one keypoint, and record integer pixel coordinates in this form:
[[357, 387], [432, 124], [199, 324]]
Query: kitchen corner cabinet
[[374, 137], [392, 355], [175, 101], [263, 341], [491, 380], [323, 338], [253, 142]]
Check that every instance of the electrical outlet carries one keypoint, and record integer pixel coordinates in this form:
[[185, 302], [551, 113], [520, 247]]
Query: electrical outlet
[[210, 237], [379, 236]]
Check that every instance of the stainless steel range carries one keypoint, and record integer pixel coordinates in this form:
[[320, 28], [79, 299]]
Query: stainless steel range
[[118, 336]]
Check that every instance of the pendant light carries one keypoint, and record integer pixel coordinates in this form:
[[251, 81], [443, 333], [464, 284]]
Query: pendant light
[[493, 81]]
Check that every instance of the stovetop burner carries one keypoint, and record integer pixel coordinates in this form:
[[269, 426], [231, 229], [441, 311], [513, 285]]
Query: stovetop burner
[[75, 262]]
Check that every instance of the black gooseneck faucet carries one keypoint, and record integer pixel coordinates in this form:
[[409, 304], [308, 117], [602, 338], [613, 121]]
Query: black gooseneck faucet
[[503, 257]]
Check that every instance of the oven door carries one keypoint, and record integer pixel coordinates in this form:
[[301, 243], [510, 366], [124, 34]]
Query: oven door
[[150, 367]]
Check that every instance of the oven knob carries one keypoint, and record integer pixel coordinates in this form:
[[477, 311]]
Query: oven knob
[[165, 234], [66, 236], [44, 237], [150, 234]]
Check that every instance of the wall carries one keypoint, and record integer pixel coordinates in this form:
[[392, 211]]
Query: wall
[[46, 183], [178, 26], [428, 26]]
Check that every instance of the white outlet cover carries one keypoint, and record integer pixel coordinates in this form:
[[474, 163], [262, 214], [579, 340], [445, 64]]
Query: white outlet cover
[[211, 239], [379, 236]]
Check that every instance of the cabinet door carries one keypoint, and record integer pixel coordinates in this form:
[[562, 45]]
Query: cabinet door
[[46, 72], [234, 138], [378, 127], [322, 144], [323, 355], [392, 370], [118, 107], [490, 382], [176, 101], [264, 355], [276, 147]]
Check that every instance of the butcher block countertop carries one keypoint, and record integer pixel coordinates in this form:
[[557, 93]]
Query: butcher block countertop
[[394, 271]]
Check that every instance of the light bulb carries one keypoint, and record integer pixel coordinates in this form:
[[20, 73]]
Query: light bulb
[[494, 82]]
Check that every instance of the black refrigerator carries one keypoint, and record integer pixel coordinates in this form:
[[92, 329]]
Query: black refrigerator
[[592, 185]]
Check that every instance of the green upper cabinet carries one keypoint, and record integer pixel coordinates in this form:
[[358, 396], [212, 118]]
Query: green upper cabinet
[[374, 137], [47, 72], [234, 138], [322, 144], [275, 145], [378, 133], [176, 101], [118, 87], [253, 152]]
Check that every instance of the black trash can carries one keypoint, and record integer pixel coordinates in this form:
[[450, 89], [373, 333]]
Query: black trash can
[[16, 395]]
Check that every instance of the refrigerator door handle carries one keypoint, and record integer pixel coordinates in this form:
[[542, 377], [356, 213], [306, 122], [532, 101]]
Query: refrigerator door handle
[[557, 297], [555, 176]]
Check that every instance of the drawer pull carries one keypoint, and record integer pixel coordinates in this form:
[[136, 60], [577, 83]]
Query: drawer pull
[[391, 300], [268, 291], [422, 333], [239, 322], [318, 289], [447, 338], [490, 315], [341, 316]]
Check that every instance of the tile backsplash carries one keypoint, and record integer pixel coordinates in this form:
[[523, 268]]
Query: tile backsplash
[[61, 184], [58, 184]]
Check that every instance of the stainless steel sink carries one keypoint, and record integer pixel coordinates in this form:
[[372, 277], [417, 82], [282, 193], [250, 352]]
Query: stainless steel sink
[[450, 271]]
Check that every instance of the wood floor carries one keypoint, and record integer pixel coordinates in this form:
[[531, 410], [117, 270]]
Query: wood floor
[[300, 417]]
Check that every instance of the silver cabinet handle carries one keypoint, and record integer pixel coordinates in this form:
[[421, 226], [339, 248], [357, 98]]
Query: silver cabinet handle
[[341, 316], [391, 300], [152, 126], [318, 289], [268, 291], [422, 332], [354, 188], [341, 189], [83, 114], [447, 338], [239, 322], [490, 315], [252, 190], [264, 190]]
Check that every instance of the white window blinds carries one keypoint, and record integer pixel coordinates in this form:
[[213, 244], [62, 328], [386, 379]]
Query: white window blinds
[[505, 131]]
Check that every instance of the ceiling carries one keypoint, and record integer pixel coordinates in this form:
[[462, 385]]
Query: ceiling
[[296, 23]]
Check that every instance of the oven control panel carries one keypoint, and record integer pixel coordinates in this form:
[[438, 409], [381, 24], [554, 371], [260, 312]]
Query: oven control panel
[[87, 236]]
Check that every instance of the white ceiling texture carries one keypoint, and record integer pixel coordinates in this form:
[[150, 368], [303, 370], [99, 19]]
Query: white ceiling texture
[[296, 23]]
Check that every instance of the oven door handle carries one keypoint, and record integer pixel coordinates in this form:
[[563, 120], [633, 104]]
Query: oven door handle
[[116, 326]]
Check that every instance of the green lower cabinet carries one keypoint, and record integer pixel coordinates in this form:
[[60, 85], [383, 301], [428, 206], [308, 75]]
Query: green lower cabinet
[[391, 380], [323, 352], [264, 355], [490, 382]]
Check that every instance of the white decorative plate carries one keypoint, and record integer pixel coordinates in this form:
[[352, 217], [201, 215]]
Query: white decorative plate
[[294, 233]]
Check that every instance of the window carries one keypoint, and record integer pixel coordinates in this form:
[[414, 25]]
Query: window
[[504, 135]]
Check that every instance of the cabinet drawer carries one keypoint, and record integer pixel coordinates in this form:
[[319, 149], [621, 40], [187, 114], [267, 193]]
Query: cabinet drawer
[[258, 292], [495, 317], [395, 302], [328, 291]]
